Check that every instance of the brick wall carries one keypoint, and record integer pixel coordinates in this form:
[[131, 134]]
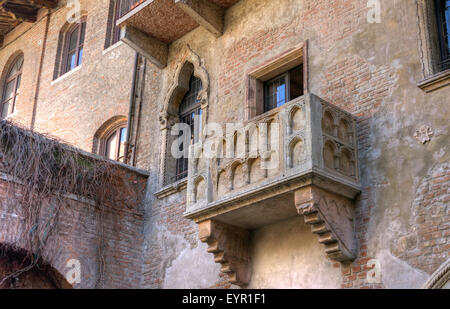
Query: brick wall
[[107, 241], [76, 105], [370, 70]]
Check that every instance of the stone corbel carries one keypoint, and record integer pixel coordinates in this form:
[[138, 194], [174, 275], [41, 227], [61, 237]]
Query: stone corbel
[[230, 246], [331, 218]]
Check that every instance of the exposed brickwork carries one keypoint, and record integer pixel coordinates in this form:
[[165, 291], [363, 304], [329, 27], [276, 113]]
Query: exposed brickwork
[[355, 274], [86, 98], [110, 239], [428, 244]]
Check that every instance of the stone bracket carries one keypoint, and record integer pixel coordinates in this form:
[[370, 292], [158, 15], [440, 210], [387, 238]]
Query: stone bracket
[[230, 246], [331, 217], [154, 50], [205, 13]]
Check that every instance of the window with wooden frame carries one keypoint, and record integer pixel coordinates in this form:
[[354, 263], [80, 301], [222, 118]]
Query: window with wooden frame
[[443, 24], [114, 144], [73, 47], [277, 82], [434, 44], [117, 9], [11, 87], [190, 113]]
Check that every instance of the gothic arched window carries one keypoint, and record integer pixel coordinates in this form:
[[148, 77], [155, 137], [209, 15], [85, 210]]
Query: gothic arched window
[[11, 87], [190, 113]]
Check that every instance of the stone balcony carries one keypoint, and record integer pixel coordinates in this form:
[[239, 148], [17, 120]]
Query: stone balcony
[[308, 166], [151, 25]]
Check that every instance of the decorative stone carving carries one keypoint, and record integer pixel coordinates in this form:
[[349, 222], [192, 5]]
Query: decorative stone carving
[[331, 218], [180, 83], [440, 279], [316, 169], [189, 64], [230, 246], [424, 134]]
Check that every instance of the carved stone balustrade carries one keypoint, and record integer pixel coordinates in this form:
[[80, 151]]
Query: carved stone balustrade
[[299, 159]]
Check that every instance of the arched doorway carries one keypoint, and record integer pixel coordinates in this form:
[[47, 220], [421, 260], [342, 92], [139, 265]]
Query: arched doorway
[[41, 276]]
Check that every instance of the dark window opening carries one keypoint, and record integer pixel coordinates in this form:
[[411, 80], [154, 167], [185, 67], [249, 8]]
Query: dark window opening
[[443, 21], [113, 31], [11, 88], [74, 47], [283, 88], [190, 113]]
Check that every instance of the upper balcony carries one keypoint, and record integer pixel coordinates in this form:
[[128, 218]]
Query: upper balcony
[[14, 12], [299, 159], [149, 26]]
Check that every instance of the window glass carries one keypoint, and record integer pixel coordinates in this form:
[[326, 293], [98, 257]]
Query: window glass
[[71, 61], [10, 91], [296, 82], [73, 40], [276, 94], [283, 88], [74, 47], [111, 147], [115, 145], [123, 139], [443, 14], [190, 113]]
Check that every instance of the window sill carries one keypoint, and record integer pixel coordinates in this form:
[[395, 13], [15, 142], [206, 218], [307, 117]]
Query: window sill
[[112, 47], [65, 75], [435, 82], [275, 110], [172, 189]]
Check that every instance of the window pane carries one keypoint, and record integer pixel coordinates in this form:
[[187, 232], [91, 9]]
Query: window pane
[[296, 82], [19, 79], [447, 24], [276, 93], [4, 109], [73, 40], [111, 147], [83, 33], [123, 139], [80, 55], [9, 90], [16, 68], [71, 61]]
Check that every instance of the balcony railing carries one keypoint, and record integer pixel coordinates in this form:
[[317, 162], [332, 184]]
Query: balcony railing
[[278, 149]]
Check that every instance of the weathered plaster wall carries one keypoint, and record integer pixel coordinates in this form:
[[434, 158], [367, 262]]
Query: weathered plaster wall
[[368, 69], [288, 256]]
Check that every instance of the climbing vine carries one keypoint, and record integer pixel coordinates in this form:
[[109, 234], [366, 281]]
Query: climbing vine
[[43, 171]]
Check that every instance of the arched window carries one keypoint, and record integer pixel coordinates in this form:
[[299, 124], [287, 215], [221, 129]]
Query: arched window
[[11, 87], [189, 113], [114, 144], [74, 43]]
